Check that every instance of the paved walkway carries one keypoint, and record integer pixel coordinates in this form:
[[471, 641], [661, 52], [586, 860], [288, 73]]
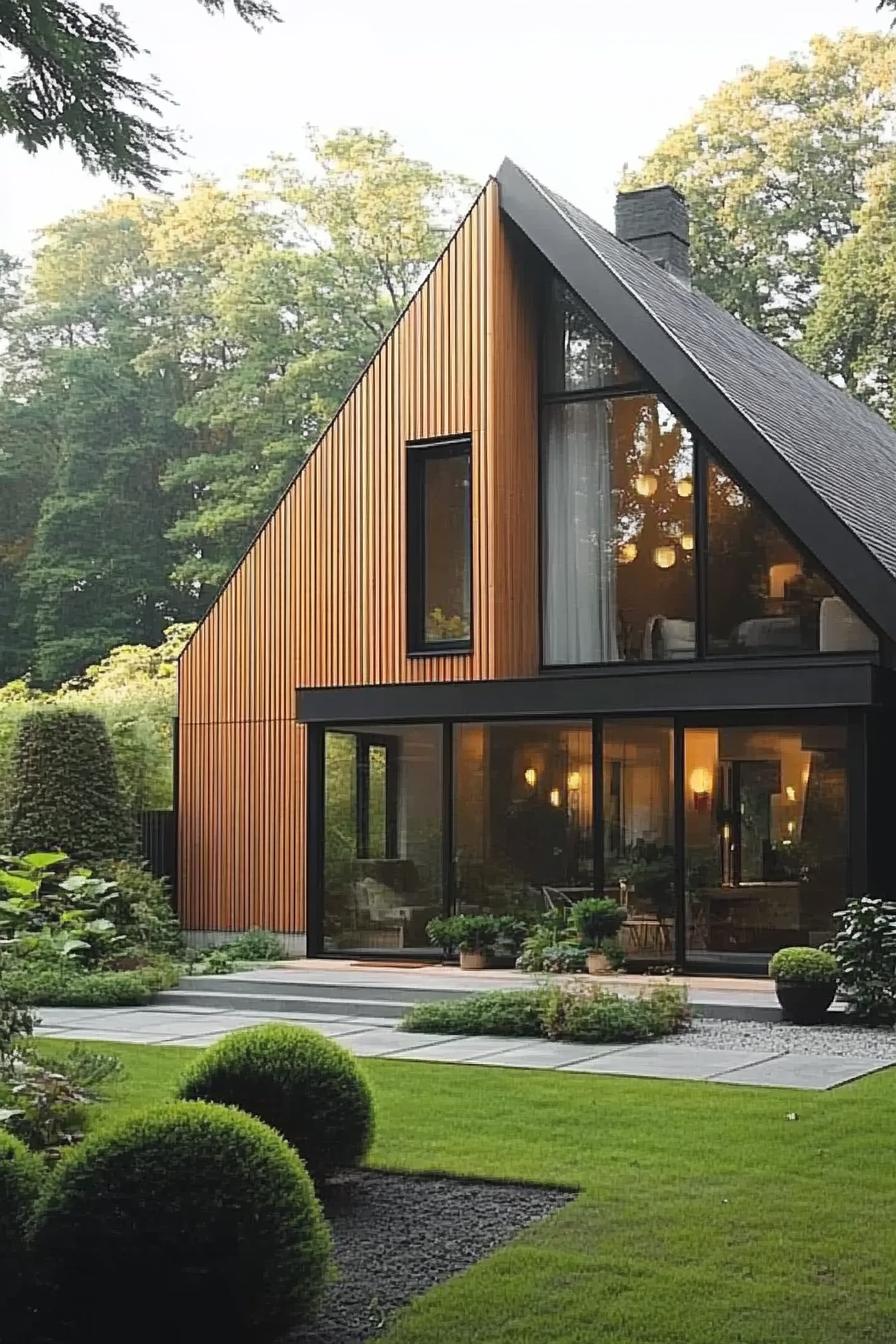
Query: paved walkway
[[159, 1025]]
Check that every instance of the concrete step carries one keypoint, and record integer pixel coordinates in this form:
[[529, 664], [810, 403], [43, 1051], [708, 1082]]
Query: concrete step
[[365, 996], [296, 1005]]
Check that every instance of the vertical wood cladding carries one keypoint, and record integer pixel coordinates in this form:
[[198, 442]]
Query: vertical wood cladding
[[319, 599]]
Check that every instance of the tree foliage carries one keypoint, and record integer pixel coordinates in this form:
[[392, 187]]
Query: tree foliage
[[165, 368], [774, 166], [71, 87]]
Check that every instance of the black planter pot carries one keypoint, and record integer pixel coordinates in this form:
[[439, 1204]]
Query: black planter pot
[[805, 1004]]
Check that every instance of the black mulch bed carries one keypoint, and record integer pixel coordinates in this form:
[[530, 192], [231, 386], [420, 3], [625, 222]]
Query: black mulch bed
[[394, 1236]]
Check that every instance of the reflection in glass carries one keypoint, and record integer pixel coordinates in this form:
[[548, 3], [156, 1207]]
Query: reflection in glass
[[578, 354], [522, 814], [766, 837], [638, 822], [763, 595], [382, 836], [618, 532], [446, 545]]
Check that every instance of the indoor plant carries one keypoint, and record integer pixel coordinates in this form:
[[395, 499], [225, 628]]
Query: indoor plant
[[597, 919], [805, 982], [474, 936]]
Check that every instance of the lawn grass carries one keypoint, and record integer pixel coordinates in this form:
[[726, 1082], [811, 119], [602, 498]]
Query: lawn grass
[[706, 1215]]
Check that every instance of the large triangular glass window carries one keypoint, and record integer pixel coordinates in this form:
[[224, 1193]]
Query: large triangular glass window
[[764, 596]]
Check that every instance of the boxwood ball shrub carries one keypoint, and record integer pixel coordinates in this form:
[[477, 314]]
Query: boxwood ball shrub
[[187, 1222], [803, 966], [63, 789], [308, 1088], [21, 1175]]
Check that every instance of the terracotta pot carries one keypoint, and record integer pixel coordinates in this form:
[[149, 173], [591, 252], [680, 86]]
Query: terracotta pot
[[472, 961], [597, 962], [805, 1004]]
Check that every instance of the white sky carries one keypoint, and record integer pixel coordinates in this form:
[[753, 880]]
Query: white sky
[[571, 90]]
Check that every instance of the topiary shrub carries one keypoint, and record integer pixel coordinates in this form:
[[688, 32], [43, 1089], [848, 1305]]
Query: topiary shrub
[[21, 1176], [63, 789], [804, 966], [202, 1223], [308, 1088]]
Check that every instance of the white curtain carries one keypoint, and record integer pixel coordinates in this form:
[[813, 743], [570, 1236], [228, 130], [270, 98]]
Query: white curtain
[[579, 541]]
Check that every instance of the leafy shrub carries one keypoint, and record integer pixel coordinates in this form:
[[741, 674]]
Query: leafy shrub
[[204, 1224], [865, 950], [256, 945], [803, 966], [583, 1012], [211, 961], [144, 912], [21, 1176], [613, 951], [65, 986], [467, 933], [563, 958], [597, 918], [63, 788], [587, 1012], [305, 1086]]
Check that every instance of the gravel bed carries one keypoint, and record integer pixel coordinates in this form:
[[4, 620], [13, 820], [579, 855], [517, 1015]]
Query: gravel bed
[[394, 1236], [833, 1039]]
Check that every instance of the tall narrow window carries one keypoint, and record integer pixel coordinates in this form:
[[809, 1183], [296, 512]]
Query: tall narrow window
[[439, 546], [763, 594]]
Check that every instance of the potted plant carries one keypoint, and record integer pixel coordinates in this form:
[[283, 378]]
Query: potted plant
[[805, 982], [474, 936], [597, 920]]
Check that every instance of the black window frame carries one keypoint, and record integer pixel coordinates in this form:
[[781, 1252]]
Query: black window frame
[[419, 453]]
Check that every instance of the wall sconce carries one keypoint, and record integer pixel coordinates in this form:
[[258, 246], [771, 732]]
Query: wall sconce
[[573, 781], [664, 557], [531, 776], [790, 792], [685, 487], [555, 797], [646, 484], [700, 781], [687, 541], [628, 552]]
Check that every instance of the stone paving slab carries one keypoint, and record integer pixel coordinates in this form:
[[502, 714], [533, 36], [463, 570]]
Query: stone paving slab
[[533, 1054], [658, 1061], [381, 1043], [815, 1073], [463, 1049]]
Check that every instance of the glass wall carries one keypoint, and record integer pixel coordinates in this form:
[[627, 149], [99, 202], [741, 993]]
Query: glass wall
[[382, 824], [766, 837], [639, 833], [763, 595], [618, 532], [523, 818]]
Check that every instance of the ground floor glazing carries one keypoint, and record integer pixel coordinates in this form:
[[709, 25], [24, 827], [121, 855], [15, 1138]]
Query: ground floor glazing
[[723, 839]]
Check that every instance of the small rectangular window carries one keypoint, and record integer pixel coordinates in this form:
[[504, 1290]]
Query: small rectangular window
[[439, 546]]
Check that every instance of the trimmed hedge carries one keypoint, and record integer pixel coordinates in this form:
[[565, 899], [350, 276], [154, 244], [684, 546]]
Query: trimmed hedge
[[582, 1012], [21, 1176], [62, 986], [63, 789], [186, 1222], [307, 1087]]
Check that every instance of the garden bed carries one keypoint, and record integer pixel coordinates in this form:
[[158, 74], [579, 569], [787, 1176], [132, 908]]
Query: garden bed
[[396, 1235]]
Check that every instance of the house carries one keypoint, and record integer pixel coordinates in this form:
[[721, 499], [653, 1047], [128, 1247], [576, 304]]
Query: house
[[586, 588]]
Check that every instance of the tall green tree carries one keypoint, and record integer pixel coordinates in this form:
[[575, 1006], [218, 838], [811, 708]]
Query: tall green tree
[[850, 334], [71, 86], [775, 166]]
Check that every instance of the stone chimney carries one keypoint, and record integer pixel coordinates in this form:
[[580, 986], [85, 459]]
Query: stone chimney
[[656, 221]]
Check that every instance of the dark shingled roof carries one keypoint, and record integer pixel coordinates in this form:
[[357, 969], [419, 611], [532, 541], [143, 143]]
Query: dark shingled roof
[[844, 450]]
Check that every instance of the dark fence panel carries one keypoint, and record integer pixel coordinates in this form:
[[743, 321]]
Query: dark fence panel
[[157, 841]]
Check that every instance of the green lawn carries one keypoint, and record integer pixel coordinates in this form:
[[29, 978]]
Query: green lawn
[[706, 1215]]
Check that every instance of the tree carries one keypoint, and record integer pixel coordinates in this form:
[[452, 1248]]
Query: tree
[[775, 166], [849, 336], [72, 88]]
